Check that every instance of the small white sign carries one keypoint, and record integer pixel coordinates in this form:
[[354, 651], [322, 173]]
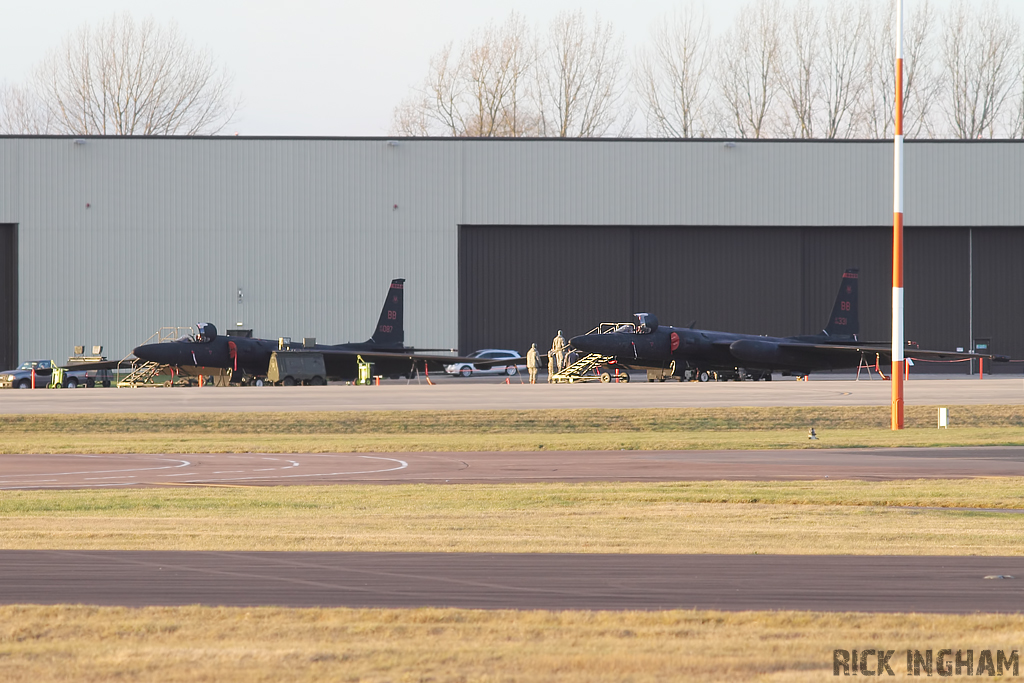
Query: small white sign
[[943, 418]]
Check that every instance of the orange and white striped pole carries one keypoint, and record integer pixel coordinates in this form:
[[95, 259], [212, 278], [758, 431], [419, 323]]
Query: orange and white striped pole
[[897, 235]]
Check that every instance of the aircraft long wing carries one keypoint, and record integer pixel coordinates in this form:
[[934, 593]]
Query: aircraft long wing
[[333, 357], [98, 365], [885, 352]]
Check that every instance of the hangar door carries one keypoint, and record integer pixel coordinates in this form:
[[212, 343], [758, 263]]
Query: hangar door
[[8, 296], [521, 284]]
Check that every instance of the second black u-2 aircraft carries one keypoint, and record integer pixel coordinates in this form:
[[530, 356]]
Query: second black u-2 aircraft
[[687, 352], [243, 357]]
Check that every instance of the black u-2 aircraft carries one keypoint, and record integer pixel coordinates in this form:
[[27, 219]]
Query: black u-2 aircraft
[[685, 352], [250, 358]]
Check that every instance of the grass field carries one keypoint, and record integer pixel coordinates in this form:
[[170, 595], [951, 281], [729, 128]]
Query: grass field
[[520, 430], [821, 517], [512, 421], [39, 644]]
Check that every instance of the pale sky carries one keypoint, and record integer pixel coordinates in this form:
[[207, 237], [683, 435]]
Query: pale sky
[[322, 68]]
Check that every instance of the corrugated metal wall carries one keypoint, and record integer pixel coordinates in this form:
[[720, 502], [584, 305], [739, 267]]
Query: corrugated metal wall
[[724, 278], [741, 279], [122, 236], [8, 296], [520, 285], [936, 291], [144, 232], [776, 281], [999, 288]]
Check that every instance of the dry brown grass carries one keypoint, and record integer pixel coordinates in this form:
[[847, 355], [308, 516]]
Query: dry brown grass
[[685, 517], [39, 644], [513, 421]]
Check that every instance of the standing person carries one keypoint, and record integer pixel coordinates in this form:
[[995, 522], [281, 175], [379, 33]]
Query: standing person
[[533, 362], [570, 357], [558, 346], [552, 368]]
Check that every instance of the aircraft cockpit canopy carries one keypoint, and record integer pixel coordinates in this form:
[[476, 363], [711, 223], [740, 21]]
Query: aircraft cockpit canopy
[[645, 323], [207, 333]]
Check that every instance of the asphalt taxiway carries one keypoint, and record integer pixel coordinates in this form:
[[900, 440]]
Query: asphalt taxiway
[[454, 394], [515, 581], [481, 580], [65, 471]]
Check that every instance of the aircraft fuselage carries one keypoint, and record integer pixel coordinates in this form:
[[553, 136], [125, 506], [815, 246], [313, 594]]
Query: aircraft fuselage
[[708, 350], [253, 356], [646, 344], [208, 350]]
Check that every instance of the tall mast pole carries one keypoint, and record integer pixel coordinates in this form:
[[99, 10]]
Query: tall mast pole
[[897, 235]]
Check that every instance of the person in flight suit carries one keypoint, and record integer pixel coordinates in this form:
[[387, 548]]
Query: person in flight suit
[[558, 348], [533, 363]]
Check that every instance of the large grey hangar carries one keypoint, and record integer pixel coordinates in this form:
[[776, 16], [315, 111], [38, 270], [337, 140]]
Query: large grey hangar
[[103, 240]]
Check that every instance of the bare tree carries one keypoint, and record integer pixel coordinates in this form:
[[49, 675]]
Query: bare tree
[[497, 68], [980, 49], [411, 117], [1017, 122], [673, 76], [484, 90], [748, 56], [878, 119], [21, 112], [441, 103], [795, 68], [580, 77], [798, 68], [844, 59], [128, 78], [920, 80]]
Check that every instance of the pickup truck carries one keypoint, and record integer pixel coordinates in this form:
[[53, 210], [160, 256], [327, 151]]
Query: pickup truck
[[21, 377]]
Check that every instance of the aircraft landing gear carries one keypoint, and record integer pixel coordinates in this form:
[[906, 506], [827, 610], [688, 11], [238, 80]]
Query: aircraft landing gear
[[703, 376], [610, 375]]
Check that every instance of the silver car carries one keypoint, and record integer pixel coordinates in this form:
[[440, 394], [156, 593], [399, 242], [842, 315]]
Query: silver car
[[470, 369]]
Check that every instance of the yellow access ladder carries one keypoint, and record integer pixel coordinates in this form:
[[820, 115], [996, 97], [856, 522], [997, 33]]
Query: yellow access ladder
[[143, 372], [141, 375], [586, 369]]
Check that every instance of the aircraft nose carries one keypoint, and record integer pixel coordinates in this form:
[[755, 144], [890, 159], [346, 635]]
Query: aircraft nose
[[152, 352], [588, 343]]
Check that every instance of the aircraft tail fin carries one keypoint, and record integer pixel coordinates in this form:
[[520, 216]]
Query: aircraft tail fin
[[844, 321], [390, 330]]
